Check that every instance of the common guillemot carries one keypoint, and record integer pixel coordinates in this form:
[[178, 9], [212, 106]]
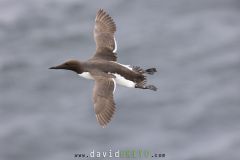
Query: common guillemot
[[104, 69]]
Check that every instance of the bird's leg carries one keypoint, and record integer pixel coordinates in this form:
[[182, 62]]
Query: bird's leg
[[151, 87]]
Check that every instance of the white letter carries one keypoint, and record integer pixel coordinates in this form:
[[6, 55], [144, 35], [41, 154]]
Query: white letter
[[104, 154], [98, 154], [92, 154], [110, 153], [117, 154]]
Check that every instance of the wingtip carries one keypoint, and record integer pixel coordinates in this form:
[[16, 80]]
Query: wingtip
[[100, 11], [104, 17], [104, 126], [101, 121]]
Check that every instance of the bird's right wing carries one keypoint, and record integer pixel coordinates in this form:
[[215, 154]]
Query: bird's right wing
[[104, 105], [104, 30]]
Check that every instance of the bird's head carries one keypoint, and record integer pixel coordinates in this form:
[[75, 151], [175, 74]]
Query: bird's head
[[72, 65]]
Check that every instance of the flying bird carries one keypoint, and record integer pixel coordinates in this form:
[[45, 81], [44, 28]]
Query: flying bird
[[104, 69]]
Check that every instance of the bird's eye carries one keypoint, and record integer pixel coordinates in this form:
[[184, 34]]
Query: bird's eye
[[66, 64]]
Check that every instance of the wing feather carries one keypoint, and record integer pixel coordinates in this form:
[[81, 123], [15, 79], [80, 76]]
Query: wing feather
[[104, 30], [104, 105]]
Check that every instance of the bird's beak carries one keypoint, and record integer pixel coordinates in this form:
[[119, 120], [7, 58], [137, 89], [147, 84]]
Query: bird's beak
[[52, 68], [57, 67]]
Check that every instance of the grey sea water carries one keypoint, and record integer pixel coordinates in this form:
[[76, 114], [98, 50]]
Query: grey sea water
[[194, 115]]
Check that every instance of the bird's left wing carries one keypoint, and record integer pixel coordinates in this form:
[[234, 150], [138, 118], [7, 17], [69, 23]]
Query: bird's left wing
[[104, 105]]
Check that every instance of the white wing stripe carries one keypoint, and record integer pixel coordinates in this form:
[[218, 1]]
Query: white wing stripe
[[115, 46], [114, 85]]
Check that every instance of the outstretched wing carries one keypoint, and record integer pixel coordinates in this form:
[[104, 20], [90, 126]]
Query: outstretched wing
[[104, 105], [104, 30]]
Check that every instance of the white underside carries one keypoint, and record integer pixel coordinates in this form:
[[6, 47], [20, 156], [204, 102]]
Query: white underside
[[120, 80], [86, 75]]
